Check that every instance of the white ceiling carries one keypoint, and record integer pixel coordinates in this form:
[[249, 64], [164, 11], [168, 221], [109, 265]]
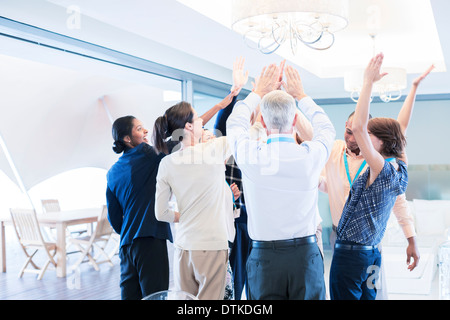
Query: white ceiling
[[412, 35], [406, 42]]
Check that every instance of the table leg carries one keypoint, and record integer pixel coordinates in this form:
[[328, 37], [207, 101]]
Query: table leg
[[3, 240], [61, 250]]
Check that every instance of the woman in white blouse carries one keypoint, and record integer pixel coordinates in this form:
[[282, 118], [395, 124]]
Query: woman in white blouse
[[195, 175]]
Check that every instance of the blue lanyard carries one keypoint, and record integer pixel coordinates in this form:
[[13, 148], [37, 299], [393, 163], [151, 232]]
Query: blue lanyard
[[280, 139], [359, 170], [363, 164], [232, 195]]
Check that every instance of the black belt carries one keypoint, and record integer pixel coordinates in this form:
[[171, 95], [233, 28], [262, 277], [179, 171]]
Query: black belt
[[284, 243], [354, 246]]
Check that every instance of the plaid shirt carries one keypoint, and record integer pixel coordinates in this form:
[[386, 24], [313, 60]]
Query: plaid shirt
[[367, 210], [233, 175]]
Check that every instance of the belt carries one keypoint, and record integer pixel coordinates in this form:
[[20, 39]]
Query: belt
[[284, 243], [354, 246]]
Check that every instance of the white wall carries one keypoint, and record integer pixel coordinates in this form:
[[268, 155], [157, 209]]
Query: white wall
[[427, 132]]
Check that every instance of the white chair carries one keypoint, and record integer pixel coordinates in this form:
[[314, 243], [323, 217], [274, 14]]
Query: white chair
[[52, 205], [30, 237], [97, 241]]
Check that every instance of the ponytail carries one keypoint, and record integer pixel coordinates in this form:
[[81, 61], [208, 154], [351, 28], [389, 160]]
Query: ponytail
[[170, 124], [119, 147], [160, 134]]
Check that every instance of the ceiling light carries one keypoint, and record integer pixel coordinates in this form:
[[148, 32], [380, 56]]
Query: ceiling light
[[270, 23], [389, 88]]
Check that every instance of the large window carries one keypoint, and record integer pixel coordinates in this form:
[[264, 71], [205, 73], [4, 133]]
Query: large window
[[57, 111]]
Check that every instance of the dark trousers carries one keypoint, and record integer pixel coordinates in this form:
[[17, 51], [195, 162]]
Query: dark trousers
[[353, 274], [144, 268], [295, 272], [238, 258]]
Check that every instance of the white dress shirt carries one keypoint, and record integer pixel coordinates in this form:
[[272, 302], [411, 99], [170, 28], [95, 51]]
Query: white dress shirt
[[280, 177]]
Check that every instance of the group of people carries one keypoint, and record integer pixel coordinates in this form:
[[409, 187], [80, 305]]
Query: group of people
[[276, 146]]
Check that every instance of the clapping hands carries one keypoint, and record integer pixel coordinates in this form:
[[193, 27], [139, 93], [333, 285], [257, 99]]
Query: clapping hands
[[271, 78]]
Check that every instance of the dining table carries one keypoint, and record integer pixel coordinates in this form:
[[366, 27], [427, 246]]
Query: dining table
[[59, 220]]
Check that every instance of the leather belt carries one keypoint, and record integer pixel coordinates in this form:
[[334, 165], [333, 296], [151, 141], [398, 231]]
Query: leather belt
[[354, 246], [284, 243]]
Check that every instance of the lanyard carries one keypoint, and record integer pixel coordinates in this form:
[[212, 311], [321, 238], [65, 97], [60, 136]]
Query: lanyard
[[280, 139], [363, 164], [359, 170], [232, 195]]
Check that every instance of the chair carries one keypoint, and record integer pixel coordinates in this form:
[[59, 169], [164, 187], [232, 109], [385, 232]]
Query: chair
[[98, 240], [30, 237], [52, 205]]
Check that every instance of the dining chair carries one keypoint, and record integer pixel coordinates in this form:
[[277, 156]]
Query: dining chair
[[97, 242], [29, 234], [52, 205]]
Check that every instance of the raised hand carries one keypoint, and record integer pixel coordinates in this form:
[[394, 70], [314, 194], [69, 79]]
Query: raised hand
[[239, 77], [293, 84], [280, 77], [227, 100], [267, 81], [417, 81], [372, 73]]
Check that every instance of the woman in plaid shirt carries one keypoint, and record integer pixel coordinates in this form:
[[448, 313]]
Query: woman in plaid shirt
[[356, 259]]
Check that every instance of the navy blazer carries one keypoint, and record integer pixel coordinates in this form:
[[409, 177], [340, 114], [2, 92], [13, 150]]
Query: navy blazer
[[130, 195]]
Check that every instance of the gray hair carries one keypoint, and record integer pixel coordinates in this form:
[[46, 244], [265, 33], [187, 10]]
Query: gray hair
[[278, 110]]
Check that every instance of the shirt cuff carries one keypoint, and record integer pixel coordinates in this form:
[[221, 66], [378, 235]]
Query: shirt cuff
[[252, 101]]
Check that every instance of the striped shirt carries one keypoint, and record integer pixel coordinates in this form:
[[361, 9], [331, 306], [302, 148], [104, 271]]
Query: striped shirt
[[367, 210]]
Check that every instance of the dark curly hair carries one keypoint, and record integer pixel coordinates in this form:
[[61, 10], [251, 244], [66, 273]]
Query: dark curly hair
[[389, 131]]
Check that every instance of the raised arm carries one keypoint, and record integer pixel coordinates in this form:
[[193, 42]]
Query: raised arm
[[361, 118], [240, 78], [303, 127], [405, 114], [238, 123], [318, 126], [221, 105]]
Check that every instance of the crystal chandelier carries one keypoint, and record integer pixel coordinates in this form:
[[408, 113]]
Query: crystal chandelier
[[270, 23]]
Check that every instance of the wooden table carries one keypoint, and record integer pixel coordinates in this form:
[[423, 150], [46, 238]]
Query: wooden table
[[59, 220]]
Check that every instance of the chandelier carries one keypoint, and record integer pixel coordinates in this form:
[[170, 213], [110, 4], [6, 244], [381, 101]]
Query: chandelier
[[270, 23], [389, 88]]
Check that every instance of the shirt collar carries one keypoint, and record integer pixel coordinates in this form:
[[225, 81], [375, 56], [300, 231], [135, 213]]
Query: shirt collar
[[285, 137], [353, 155]]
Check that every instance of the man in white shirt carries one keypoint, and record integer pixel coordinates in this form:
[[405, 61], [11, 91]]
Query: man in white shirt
[[280, 180]]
